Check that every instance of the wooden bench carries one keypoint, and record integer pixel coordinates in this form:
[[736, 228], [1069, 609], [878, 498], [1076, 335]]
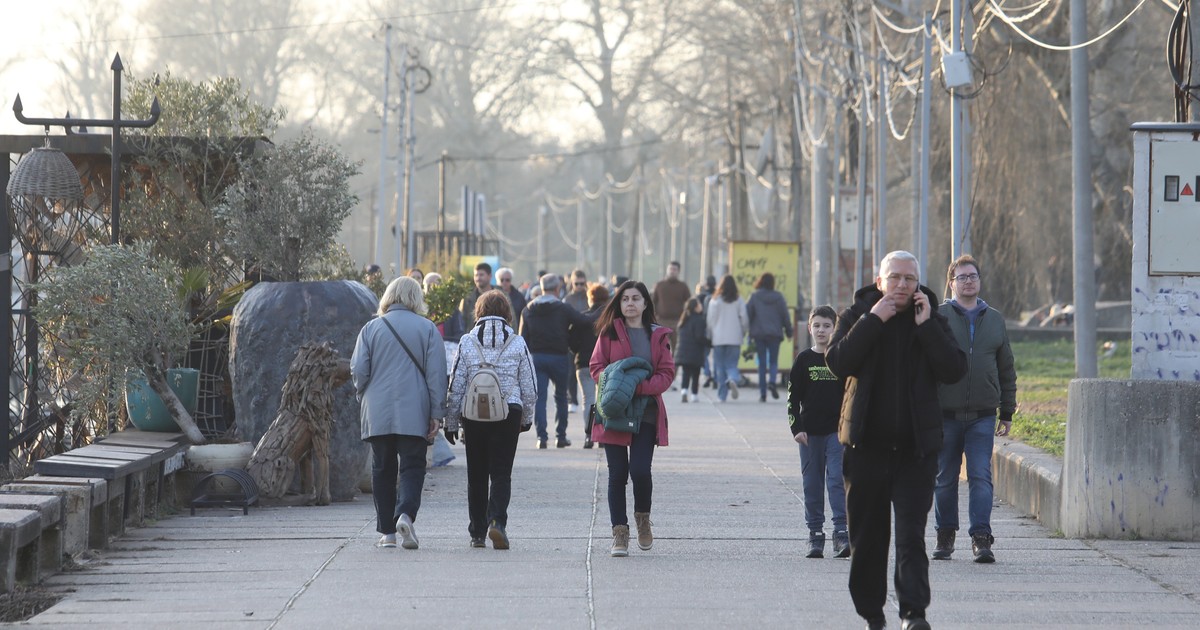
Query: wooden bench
[[136, 461]]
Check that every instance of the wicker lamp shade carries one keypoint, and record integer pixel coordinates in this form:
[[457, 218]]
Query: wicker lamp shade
[[46, 172]]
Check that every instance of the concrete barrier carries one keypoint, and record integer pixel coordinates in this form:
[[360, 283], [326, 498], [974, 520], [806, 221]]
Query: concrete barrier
[[1030, 480], [1130, 460]]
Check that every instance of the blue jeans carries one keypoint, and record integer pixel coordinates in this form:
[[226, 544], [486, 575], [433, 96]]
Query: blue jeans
[[768, 358], [974, 438], [556, 368], [821, 469], [391, 500], [631, 463], [725, 368], [704, 366]]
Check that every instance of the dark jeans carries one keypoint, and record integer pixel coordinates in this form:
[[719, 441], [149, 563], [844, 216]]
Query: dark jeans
[[391, 500], [554, 368], [879, 480], [491, 448], [631, 463], [691, 374], [768, 362]]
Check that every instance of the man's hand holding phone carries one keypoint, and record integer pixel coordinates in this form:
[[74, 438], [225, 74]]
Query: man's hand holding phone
[[921, 307]]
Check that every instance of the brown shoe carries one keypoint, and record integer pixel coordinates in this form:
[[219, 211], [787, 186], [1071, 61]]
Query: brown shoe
[[620, 544], [645, 536]]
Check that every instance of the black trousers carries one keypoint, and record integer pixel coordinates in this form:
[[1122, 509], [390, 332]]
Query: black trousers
[[491, 448], [878, 481]]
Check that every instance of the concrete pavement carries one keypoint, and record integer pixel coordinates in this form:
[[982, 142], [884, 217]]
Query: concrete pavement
[[728, 552]]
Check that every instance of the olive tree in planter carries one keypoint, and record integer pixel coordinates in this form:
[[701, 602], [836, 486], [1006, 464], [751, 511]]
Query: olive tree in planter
[[114, 317], [282, 217]]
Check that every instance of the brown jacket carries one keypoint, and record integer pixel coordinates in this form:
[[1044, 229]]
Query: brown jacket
[[669, 296]]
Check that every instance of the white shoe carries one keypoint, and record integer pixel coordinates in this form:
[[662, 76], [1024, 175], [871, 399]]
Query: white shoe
[[685, 396], [572, 408], [733, 391], [387, 541], [408, 534]]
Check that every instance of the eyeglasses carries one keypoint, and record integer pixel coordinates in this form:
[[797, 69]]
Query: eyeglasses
[[502, 280], [581, 284], [895, 278], [967, 277]]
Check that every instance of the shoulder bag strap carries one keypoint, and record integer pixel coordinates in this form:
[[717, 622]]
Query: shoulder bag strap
[[420, 368]]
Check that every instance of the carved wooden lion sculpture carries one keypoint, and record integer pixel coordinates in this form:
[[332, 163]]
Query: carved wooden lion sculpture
[[299, 435]]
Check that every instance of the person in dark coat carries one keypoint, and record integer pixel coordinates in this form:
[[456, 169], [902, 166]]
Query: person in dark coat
[[770, 322], [582, 341], [546, 326], [692, 347], [892, 348]]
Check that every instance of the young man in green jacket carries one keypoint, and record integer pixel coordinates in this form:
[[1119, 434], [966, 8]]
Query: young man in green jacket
[[969, 410]]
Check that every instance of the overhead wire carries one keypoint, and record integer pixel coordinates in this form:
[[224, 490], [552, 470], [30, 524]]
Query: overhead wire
[[999, 12]]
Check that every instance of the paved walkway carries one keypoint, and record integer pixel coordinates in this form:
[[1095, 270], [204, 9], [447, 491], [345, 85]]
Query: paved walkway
[[728, 554]]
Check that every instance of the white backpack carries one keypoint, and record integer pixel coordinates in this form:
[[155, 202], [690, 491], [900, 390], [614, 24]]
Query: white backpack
[[485, 400]]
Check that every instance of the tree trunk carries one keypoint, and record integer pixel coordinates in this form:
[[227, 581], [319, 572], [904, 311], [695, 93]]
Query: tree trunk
[[158, 382]]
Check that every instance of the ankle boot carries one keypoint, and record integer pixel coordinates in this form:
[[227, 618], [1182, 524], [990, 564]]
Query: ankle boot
[[645, 537], [620, 543]]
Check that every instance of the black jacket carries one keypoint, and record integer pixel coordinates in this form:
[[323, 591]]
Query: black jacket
[[692, 341], [546, 324], [860, 351], [582, 339]]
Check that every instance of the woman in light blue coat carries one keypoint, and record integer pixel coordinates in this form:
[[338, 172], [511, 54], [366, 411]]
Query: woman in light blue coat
[[399, 373]]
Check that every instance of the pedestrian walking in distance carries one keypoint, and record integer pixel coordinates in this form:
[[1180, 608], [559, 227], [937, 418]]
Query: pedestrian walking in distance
[[490, 439], [626, 329], [770, 322], [728, 323], [892, 348], [399, 374], [693, 343]]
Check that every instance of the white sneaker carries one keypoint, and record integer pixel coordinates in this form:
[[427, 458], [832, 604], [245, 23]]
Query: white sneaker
[[408, 534], [733, 391], [572, 408], [685, 396], [387, 541]]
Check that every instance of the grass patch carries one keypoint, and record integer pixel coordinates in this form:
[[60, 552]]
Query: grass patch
[[1044, 370]]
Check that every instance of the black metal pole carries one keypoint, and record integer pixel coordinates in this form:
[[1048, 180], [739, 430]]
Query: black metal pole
[[6, 280], [114, 199]]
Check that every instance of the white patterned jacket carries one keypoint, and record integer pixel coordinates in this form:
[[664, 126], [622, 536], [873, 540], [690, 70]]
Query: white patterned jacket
[[515, 368]]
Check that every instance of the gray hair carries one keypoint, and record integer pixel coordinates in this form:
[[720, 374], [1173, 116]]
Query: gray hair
[[431, 279], [406, 292], [899, 255], [505, 270], [550, 283]]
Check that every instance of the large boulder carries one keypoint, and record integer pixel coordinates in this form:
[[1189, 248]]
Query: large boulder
[[270, 324]]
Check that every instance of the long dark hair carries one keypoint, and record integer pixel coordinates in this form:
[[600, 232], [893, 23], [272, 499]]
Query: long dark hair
[[728, 289], [766, 281], [689, 310], [612, 312]]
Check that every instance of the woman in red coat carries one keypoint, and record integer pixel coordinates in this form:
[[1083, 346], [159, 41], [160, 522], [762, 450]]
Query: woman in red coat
[[626, 328]]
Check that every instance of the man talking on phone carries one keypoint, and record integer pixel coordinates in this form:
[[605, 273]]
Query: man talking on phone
[[892, 348]]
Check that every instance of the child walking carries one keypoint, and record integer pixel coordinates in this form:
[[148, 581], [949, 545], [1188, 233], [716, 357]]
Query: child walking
[[814, 402], [692, 346]]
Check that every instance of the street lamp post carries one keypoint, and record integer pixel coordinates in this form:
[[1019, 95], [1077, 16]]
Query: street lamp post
[[116, 124]]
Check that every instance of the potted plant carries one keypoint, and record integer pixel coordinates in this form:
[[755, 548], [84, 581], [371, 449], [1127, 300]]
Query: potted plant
[[116, 317]]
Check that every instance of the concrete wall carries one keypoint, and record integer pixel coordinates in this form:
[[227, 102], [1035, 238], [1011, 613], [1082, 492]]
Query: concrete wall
[[1029, 480], [1130, 464]]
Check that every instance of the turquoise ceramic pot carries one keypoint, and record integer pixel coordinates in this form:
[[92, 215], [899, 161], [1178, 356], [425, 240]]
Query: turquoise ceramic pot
[[147, 411]]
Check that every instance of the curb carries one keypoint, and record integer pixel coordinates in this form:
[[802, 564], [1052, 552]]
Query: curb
[[1030, 480]]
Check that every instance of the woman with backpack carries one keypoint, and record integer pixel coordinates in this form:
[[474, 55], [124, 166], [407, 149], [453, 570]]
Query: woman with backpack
[[626, 329], [492, 397]]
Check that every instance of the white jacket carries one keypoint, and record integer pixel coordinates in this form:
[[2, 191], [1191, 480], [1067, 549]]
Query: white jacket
[[727, 321], [515, 368]]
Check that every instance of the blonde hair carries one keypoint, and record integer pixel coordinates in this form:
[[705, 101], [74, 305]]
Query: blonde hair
[[403, 291]]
